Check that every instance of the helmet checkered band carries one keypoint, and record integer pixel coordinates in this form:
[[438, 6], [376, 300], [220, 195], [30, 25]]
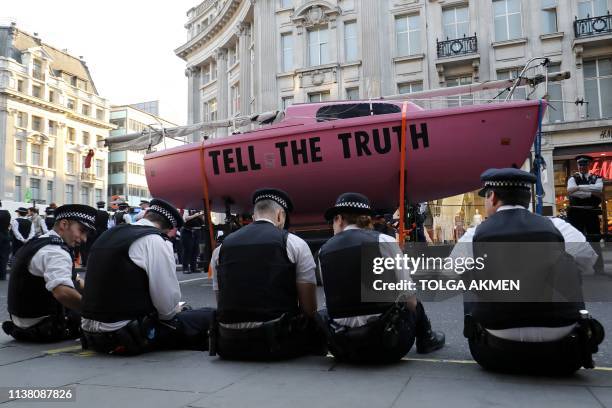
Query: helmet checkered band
[[272, 197], [165, 213], [507, 184], [78, 215], [353, 204]]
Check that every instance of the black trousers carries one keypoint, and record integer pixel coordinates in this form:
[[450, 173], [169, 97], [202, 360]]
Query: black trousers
[[191, 248], [5, 253], [587, 221], [51, 329], [16, 246], [188, 330]]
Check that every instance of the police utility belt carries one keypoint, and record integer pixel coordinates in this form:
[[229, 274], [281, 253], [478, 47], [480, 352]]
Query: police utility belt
[[271, 333], [133, 338], [582, 342]]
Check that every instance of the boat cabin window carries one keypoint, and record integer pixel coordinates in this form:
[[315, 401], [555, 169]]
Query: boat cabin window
[[355, 110]]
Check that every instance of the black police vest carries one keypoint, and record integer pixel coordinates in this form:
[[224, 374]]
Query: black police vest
[[49, 222], [27, 295], [115, 287], [5, 221], [101, 222], [24, 227], [534, 268], [194, 223], [257, 281], [341, 260], [592, 201], [118, 218]]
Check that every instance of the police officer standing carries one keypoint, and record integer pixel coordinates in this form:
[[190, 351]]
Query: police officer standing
[[375, 331], [5, 241], [190, 239], [101, 225], [38, 223], [22, 230], [49, 218], [132, 297], [43, 294], [122, 215], [144, 204], [538, 335], [584, 190], [265, 282]]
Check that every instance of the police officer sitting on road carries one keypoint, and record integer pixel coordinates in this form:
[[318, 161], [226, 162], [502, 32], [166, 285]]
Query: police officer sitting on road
[[265, 282], [21, 228], [43, 295], [366, 332], [584, 190], [543, 334], [132, 296]]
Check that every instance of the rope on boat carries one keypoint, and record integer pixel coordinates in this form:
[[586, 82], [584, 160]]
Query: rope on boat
[[207, 203], [402, 196]]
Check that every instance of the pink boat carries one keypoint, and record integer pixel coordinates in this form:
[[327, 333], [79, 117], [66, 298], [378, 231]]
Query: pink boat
[[321, 150]]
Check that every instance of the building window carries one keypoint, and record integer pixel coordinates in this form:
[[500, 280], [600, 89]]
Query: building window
[[22, 119], [116, 168], [555, 93], [135, 168], [235, 99], [86, 138], [52, 128], [100, 141], [85, 110], [460, 100], [19, 155], [37, 123], [85, 195], [408, 35], [285, 4], [17, 188], [71, 135], [50, 191], [318, 97], [51, 96], [99, 114], [592, 8], [456, 21], [69, 194], [99, 168], [51, 157], [36, 161], [70, 103], [519, 93], [205, 74], [598, 87], [232, 54], [408, 88], [37, 71], [549, 16], [117, 189], [19, 85], [286, 102], [508, 21], [352, 94], [99, 195], [287, 50], [318, 52], [350, 41], [36, 91], [213, 70], [70, 163], [35, 188], [210, 110]]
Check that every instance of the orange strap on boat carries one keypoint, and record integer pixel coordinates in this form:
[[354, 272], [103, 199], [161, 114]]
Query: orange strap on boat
[[402, 187], [207, 204]]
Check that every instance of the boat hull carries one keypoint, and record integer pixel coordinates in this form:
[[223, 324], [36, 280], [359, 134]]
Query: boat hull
[[447, 150]]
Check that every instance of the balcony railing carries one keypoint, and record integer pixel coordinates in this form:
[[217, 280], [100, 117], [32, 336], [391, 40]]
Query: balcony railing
[[593, 26], [456, 47]]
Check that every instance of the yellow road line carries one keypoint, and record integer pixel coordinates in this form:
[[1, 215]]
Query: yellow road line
[[63, 350], [443, 360]]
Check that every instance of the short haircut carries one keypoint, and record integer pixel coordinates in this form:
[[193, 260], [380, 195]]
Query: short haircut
[[520, 197], [33, 209], [266, 207], [360, 220], [159, 219]]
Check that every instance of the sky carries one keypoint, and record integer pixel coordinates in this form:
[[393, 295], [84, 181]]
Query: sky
[[128, 45]]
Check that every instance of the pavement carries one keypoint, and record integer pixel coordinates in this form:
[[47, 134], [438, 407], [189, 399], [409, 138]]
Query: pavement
[[448, 377]]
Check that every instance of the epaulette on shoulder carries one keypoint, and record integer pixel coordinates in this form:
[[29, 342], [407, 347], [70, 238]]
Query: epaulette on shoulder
[[56, 240]]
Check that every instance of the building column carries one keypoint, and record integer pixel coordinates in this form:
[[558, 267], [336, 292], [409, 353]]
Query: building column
[[5, 147], [193, 98], [371, 50], [222, 91], [265, 54], [244, 52]]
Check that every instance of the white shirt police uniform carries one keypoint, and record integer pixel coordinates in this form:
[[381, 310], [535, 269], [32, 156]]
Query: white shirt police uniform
[[54, 264], [298, 253], [389, 248], [17, 234], [583, 254], [156, 256], [585, 190]]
